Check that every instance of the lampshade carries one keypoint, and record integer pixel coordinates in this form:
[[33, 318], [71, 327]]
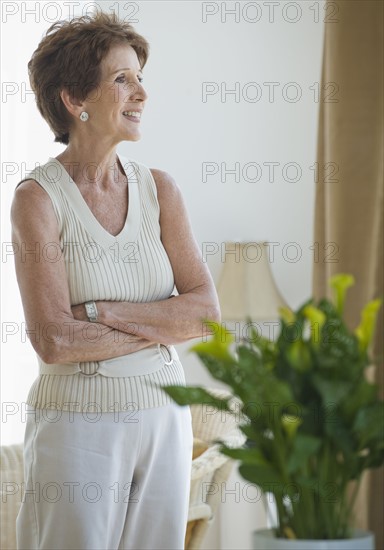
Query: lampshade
[[246, 286]]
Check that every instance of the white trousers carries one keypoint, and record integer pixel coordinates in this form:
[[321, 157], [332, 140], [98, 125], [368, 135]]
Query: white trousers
[[110, 481]]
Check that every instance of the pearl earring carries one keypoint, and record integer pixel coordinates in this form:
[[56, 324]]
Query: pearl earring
[[84, 116]]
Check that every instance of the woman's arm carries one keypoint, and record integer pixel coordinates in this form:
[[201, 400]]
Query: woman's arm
[[179, 319], [57, 336]]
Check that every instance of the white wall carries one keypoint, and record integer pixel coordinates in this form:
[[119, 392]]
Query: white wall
[[181, 133]]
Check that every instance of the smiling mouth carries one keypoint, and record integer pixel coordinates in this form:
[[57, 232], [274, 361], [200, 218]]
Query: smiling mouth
[[134, 115]]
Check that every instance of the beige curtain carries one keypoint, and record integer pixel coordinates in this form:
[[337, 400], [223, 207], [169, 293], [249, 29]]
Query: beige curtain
[[349, 194]]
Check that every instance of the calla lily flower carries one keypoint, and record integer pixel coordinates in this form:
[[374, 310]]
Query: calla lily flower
[[317, 319], [340, 282], [299, 356], [364, 331], [218, 346], [286, 314], [290, 424]]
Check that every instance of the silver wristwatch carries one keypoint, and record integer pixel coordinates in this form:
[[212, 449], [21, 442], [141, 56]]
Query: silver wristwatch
[[92, 313]]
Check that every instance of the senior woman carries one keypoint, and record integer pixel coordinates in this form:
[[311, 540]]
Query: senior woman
[[102, 241]]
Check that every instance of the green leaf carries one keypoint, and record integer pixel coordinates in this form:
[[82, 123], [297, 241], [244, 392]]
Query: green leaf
[[249, 430], [304, 446], [369, 424], [331, 391], [266, 477], [218, 368], [328, 308], [246, 455], [299, 356], [340, 435], [195, 395], [361, 395], [339, 349]]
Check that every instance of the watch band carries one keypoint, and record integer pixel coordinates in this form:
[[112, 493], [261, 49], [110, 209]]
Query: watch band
[[91, 310]]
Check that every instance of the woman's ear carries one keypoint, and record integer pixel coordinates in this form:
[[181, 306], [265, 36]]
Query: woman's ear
[[73, 105]]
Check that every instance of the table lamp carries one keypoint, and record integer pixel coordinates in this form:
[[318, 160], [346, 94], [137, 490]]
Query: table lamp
[[246, 287]]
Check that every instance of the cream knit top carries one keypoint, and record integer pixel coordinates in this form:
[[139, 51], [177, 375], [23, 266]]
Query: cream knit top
[[132, 266]]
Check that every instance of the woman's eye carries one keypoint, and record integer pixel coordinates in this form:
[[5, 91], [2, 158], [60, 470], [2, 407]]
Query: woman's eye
[[122, 78]]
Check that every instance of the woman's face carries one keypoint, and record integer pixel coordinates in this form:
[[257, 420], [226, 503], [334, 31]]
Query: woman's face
[[120, 92]]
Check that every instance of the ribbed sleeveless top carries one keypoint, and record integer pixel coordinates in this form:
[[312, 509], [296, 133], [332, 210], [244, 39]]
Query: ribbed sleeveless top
[[132, 266]]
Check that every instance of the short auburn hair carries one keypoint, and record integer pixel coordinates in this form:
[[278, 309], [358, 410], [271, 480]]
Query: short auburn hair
[[69, 56]]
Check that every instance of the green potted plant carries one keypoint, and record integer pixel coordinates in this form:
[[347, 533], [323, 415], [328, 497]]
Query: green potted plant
[[313, 420]]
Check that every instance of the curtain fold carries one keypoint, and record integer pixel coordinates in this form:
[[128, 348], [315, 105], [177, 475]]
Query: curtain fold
[[348, 223]]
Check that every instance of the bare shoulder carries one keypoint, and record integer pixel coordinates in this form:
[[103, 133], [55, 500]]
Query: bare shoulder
[[162, 177], [30, 199], [29, 190], [167, 188]]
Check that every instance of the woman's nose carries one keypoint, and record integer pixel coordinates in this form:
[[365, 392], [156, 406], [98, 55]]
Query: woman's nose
[[144, 95], [137, 92]]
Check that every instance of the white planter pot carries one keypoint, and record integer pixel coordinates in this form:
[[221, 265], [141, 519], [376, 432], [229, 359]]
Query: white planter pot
[[264, 539]]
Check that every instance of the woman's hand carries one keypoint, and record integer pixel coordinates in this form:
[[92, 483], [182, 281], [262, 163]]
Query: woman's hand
[[79, 313]]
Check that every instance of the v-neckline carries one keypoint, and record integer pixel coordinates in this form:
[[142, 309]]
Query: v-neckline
[[132, 222]]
